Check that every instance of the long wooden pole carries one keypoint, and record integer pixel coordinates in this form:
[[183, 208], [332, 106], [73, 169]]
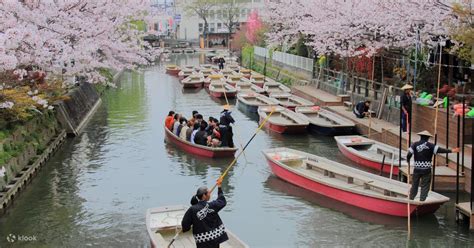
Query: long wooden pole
[[433, 169], [447, 129], [463, 133], [408, 181], [222, 176]]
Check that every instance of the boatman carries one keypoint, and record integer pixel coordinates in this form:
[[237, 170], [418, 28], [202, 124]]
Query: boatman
[[405, 103], [225, 128], [361, 110], [208, 229], [423, 151]]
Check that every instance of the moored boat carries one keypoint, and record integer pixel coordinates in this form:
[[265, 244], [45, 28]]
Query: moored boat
[[173, 70], [369, 153], [258, 80], [233, 66], [290, 101], [245, 86], [236, 78], [282, 120], [216, 78], [325, 122], [185, 72], [275, 88], [349, 185], [221, 90], [250, 101], [163, 223], [207, 72], [227, 72], [196, 80], [205, 151], [246, 72]]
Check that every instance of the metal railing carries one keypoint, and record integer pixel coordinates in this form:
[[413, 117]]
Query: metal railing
[[286, 58]]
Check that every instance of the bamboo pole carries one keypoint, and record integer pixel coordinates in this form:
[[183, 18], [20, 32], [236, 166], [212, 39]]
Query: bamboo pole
[[409, 188], [433, 169]]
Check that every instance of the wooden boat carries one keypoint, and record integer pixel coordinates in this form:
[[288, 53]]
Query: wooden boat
[[349, 185], [206, 66], [185, 72], [173, 70], [246, 86], [196, 80], [325, 122], [205, 151], [246, 72], [369, 153], [227, 72], [250, 101], [233, 66], [282, 120], [258, 80], [236, 78], [217, 78], [163, 223], [275, 88], [290, 101], [222, 90], [207, 72]]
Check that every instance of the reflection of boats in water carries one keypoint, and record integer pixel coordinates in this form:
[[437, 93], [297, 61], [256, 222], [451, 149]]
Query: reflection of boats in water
[[190, 90], [278, 185]]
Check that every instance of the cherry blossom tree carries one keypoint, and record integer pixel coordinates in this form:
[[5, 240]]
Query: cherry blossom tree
[[73, 37], [343, 27]]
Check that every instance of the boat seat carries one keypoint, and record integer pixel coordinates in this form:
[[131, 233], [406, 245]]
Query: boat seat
[[388, 155]]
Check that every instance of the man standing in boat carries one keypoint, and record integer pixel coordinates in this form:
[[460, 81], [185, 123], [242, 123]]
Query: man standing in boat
[[208, 229], [423, 152], [405, 103], [225, 128]]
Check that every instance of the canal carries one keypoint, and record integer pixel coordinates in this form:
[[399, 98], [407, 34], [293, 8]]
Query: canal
[[95, 190]]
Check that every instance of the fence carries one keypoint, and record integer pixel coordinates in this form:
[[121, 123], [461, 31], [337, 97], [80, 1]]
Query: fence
[[286, 59]]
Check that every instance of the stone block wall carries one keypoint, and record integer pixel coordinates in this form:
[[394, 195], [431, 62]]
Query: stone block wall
[[24, 143]]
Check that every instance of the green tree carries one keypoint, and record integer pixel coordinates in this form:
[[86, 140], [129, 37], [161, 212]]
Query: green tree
[[463, 32]]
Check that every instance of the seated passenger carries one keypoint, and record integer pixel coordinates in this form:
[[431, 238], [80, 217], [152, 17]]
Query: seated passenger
[[184, 130], [214, 140], [200, 137], [169, 120], [195, 130], [182, 123], [176, 123]]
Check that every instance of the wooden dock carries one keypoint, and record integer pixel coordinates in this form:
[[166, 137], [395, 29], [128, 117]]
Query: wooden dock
[[317, 96], [463, 212]]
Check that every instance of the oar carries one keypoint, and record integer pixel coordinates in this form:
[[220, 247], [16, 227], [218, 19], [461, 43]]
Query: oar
[[222, 176]]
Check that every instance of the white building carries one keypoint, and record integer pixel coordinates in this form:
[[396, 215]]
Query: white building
[[191, 27]]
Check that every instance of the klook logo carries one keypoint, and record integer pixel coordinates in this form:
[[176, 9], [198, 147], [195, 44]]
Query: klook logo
[[11, 238]]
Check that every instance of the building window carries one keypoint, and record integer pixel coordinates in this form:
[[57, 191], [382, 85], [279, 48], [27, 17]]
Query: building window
[[219, 25], [201, 27], [212, 27]]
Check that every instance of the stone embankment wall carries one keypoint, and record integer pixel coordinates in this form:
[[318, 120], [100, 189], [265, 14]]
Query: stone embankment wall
[[26, 149]]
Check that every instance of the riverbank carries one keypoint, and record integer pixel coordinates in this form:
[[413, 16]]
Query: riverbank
[[26, 148]]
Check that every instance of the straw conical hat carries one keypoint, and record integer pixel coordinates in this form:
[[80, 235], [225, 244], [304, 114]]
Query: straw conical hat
[[226, 107], [407, 87], [425, 133]]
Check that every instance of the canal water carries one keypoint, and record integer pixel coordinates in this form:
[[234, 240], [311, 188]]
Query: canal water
[[95, 190]]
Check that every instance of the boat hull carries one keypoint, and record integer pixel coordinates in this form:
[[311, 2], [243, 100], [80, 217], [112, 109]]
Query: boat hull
[[173, 72], [368, 163], [361, 201], [210, 153], [218, 94], [283, 129], [192, 85], [248, 107], [330, 131]]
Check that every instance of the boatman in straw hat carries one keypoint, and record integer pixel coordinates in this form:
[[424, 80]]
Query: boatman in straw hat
[[208, 229], [405, 104], [423, 151], [225, 127]]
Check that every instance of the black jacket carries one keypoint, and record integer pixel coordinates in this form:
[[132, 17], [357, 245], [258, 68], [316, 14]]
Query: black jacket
[[208, 229], [226, 118], [405, 102], [423, 151], [201, 138]]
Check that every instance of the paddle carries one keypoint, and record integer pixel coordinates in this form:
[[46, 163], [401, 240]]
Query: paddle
[[222, 176]]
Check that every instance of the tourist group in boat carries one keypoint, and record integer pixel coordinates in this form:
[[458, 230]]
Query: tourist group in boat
[[212, 133]]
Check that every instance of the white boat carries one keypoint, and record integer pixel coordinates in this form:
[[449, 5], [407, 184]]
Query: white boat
[[195, 80], [245, 86], [325, 122], [185, 72], [290, 101], [164, 223], [272, 87]]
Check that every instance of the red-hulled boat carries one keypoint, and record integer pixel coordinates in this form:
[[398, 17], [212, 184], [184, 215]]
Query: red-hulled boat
[[222, 90], [290, 101], [369, 153], [205, 151], [246, 72], [282, 120], [173, 70], [196, 80], [349, 185]]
